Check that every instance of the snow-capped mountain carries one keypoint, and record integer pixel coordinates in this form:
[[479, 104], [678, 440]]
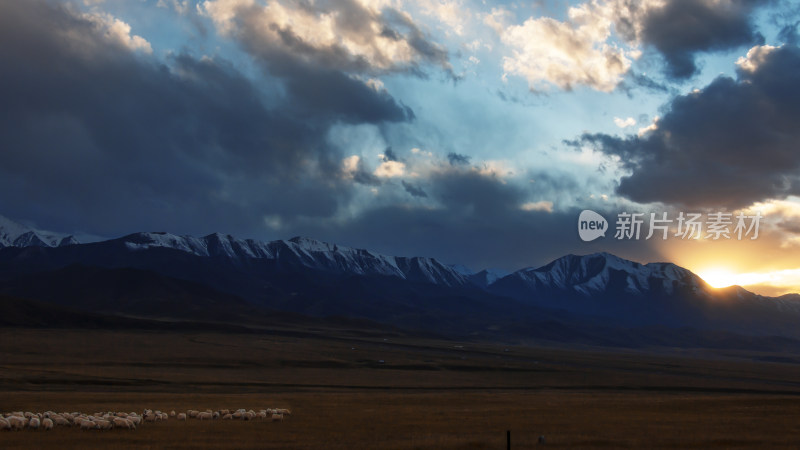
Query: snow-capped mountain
[[13, 234], [312, 277], [596, 273], [305, 252], [606, 285]]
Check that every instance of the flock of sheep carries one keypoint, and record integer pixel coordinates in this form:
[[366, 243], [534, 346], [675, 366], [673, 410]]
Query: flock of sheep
[[19, 420]]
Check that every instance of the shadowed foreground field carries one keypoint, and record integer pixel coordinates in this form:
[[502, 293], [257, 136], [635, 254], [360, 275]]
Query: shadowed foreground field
[[425, 394]]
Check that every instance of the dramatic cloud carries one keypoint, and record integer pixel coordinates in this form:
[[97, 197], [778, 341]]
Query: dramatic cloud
[[119, 31], [479, 220], [582, 50], [566, 54], [347, 35], [100, 138], [415, 191], [682, 28], [729, 144]]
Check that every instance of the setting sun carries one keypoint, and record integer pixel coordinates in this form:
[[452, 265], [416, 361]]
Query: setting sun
[[718, 278]]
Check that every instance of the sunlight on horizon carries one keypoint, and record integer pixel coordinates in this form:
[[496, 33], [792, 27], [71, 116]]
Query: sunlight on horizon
[[718, 277]]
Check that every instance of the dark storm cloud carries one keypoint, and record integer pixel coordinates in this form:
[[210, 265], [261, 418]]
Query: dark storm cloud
[[322, 80], [683, 28], [98, 139], [415, 191], [455, 159], [390, 155], [728, 145], [479, 223], [323, 92]]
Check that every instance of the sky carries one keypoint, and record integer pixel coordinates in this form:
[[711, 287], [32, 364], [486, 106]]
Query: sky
[[470, 131]]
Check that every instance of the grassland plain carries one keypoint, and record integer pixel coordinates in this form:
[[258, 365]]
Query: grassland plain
[[358, 390]]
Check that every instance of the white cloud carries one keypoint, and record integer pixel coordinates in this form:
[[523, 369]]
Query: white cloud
[[652, 127], [579, 50], [118, 31], [350, 166], [417, 151], [390, 169], [755, 57], [546, 51], [538, 206], [498, 19], [624, 123], [376, 84], [452, 13], [357, 35]]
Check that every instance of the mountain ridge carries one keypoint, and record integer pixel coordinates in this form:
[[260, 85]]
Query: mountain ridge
[[307, 276], [14, 234]]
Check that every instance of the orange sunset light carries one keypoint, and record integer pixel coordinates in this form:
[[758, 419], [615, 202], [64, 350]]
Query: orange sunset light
[[767, 283]]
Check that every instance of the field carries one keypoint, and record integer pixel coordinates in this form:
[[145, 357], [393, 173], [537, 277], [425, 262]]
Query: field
[[373, 390]]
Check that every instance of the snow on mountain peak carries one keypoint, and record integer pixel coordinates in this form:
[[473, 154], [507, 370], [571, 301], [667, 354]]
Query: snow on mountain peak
[[592, 273], [14, 234]]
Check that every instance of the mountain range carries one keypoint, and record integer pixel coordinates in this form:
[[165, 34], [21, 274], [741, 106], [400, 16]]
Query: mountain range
[[593, 298], [13, 234]]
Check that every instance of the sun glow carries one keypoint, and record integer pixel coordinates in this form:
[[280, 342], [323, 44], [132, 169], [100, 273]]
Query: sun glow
[[718, 278]]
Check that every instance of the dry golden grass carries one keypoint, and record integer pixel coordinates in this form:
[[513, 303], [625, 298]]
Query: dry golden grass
[[426, 395]]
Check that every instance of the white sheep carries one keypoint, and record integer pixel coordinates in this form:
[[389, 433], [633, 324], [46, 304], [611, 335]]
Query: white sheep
[[172, 413], [205, 416], [17, 422], [227, 417], [121, 422], [47, 424], [277, 417], [60, 421], [34, 423], [88, 425], [4, 425], [182, 416]]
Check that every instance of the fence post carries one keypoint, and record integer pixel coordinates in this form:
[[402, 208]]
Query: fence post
[[508, 439]]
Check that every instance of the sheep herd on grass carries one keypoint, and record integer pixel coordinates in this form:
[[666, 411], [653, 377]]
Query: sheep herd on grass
[[18, 420]]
